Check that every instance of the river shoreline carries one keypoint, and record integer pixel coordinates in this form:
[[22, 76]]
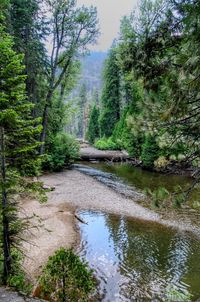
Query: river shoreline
[[75, 191], [91, 154]]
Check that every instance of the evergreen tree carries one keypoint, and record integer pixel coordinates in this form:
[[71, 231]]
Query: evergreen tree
[[110, 96], [82, 100], [28, 30], [17, 140], [93, 127], [150, 151]]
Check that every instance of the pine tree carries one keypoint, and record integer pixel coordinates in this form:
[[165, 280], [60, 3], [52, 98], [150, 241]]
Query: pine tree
[[110, 96], [17, 140], [150, 151], [28, 30], [93, 127], [82, 103]]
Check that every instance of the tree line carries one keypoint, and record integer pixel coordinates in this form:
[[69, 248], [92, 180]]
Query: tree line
[[150, 103]]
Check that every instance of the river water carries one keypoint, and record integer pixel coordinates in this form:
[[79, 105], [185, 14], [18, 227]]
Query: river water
[[140, 261], [136, 260]]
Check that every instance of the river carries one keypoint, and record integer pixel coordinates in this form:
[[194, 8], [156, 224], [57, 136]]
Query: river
[[137, 260]]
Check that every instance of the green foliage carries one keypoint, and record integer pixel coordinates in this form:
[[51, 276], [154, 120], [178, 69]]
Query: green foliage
[[21, 130], [14, 226], [124, 137], [82, 100], [17, 278], [72, 29], [93, 127], [66, 278], [150, 151], [110, 96], [106, 144], [18, 149], [159, 84], [33, 189], [28, 29], [62, 150]]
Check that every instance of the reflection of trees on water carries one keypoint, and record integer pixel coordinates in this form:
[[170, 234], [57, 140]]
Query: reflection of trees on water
[[142, 179], [150, 256]]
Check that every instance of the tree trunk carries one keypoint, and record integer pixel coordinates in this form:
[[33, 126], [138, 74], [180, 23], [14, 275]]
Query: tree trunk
[[45, 121], [44, 129], [6, 239]]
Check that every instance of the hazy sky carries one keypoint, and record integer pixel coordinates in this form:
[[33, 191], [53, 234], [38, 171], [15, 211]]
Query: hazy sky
[[110, 13]]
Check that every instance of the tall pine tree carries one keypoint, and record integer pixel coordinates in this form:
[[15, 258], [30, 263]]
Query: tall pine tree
[[18, 143], [93, 127], [110, 96]]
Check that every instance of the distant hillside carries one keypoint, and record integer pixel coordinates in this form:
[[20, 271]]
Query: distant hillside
[[91, 73], [91, 80], [92, 67]]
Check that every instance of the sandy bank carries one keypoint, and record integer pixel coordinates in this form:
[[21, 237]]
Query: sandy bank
[[53, 226], [83, 192]]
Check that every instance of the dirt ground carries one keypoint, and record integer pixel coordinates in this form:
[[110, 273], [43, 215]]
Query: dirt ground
[[53, 226]]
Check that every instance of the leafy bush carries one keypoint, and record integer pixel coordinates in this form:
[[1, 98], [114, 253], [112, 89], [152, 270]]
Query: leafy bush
[[17, 278], [150, 152], [31, 167], [62, 150], [161, 162], [106, 144], [66, 278]]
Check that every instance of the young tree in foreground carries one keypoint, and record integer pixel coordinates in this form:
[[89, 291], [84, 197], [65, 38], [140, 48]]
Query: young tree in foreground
[[67, 278]]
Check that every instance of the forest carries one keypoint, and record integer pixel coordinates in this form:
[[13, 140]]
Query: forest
[[52, 96], [150, 97]]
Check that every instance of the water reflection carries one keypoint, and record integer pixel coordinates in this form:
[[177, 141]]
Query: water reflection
[[140, 261], [139, 179]]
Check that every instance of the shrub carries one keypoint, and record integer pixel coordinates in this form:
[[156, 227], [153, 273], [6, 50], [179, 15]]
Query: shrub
[[31, 167], [150, 151], [62, 150], [66, 278], [106, 144], [17, 278], [161, 162]]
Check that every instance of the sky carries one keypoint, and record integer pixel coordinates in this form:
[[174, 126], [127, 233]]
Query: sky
[[110, 13]]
